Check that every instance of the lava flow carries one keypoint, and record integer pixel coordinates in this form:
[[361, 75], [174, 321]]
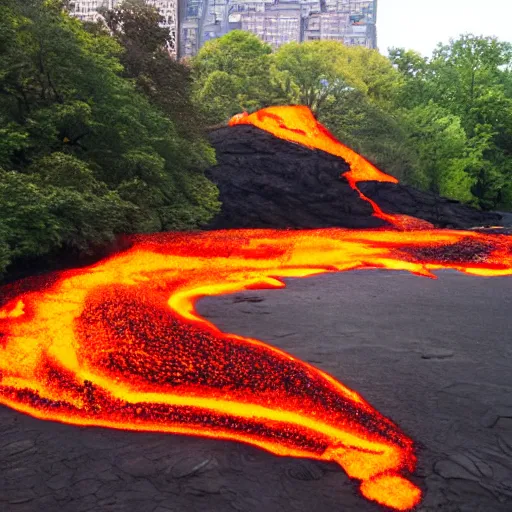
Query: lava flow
[[119, 344], [297, 124]]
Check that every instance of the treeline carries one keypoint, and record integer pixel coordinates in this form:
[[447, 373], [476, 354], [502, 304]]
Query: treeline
[[102, 131], [442, 123], [98, 133]]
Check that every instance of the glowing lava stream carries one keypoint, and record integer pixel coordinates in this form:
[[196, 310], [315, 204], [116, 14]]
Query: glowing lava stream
[[297, 124], [119, 344]]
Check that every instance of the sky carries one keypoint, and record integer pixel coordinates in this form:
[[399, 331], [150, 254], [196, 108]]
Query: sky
[[420, 24]]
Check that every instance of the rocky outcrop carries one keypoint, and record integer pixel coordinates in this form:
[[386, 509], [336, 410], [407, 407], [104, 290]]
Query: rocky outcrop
[[442, 212], [266, 182]]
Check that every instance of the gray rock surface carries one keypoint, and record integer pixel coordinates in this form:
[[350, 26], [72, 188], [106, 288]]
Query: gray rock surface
[[442, 212], [269, 182], [434, 356]]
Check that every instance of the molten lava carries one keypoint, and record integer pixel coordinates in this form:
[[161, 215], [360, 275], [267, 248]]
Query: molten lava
[[297, 124], [119, 344]]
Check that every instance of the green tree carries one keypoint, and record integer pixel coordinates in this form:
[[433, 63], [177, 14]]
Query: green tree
[[82, 141], [36, 218], [240, 62], [317, 73], [146, 57], [470, 79], [447, 158], [417, 87]]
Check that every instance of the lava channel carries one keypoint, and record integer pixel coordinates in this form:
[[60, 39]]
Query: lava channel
[[296, 123], [120, 344]]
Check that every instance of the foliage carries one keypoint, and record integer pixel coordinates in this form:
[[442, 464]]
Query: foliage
[[321, 71], [416, 87], [37, 218], [470, 79], [146, 58], [232, 74], [445, 156], [86, 152]]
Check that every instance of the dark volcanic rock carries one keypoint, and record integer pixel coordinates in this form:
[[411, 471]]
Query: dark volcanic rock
[[442, 212], [266, 182]]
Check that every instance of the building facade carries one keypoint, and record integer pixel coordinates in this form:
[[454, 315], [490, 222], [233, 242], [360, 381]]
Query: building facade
[[277, 22], [191, 23], [88, 10], [353, 22]]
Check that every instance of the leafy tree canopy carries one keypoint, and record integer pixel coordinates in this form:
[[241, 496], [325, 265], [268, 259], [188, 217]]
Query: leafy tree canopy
[[470, 79], [147, 58], [323, 70], [85, 152], [232, 74]]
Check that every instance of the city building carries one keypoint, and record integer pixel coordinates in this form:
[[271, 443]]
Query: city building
[[168, 9], [191, 23], [88, 10], [277, 22], [351, 22]]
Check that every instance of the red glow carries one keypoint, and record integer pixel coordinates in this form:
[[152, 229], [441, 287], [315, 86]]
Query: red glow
[[297, 124], [120, 344]]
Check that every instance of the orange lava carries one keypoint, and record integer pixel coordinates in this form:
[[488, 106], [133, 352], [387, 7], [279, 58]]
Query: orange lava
[[120, 344], [297, 124], [391, 490]]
